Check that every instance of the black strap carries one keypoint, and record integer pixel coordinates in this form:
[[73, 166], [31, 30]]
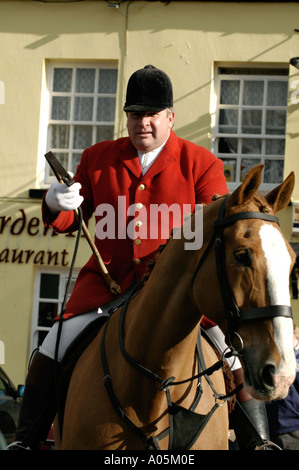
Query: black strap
[[225, 221], [266, 312], [128, 358], [150, 442], [61, 320], [165, 383]]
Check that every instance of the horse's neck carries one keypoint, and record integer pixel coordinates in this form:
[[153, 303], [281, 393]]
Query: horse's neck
[[162, 321], [158, 331], [161, 328]]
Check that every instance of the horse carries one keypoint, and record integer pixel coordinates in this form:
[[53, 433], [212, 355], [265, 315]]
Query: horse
[[131, 385]]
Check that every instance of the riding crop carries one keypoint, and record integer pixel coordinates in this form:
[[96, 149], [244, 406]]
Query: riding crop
[[64, 177]]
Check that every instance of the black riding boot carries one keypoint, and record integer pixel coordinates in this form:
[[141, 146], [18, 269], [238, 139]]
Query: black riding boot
[[38, 404], [250, 423]]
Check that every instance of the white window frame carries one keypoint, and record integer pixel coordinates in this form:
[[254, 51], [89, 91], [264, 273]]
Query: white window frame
[[215, 111], [63, 278], [43, 177]]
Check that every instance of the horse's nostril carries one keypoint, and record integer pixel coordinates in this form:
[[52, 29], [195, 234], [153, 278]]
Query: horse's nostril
[[268, 373]]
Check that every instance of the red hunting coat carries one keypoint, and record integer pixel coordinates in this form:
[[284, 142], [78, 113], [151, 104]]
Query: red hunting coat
[[112, 181]]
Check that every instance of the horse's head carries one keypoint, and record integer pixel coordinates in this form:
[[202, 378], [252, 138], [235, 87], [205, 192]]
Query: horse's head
[[254, 262]]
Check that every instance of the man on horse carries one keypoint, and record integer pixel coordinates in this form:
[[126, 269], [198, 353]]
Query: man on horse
[[150, 166]]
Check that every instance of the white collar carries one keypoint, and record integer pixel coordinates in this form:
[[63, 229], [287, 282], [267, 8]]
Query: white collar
[[147, 159]]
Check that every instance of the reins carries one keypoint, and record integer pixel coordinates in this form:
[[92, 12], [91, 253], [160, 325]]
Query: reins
[[176, 413], [165, 383], [61, 319]]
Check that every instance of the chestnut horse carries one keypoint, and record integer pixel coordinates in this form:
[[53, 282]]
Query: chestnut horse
[[120, 395]]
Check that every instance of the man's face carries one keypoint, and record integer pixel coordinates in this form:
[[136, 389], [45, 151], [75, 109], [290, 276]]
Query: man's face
[[149, 130]]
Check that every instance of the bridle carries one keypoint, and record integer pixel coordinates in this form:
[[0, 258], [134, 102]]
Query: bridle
[[234, 314]]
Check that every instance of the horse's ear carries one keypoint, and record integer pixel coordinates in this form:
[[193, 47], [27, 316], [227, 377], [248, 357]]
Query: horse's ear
[[248, 187], [279, 197]]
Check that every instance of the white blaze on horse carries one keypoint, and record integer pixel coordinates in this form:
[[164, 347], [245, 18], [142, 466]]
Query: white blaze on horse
[[239, 279]]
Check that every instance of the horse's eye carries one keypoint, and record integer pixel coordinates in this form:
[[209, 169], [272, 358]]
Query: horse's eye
[[244, 257]]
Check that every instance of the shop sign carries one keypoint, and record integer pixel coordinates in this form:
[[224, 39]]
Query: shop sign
[[34, 227]]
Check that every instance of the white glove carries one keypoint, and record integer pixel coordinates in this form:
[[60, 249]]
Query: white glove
[[62, 197]]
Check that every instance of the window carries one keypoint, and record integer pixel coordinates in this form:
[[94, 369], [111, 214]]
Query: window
[[251, 123], [49, 294], [82, 110]]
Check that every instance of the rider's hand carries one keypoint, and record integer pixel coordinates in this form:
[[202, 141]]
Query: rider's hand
[[61, 197]]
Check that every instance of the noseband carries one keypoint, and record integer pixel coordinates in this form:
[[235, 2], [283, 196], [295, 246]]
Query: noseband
[[234, 314]]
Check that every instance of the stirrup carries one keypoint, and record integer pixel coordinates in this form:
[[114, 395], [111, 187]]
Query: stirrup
[[17, 445]]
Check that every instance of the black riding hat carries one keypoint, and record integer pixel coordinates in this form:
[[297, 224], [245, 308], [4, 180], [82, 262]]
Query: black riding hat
[[149, 89]]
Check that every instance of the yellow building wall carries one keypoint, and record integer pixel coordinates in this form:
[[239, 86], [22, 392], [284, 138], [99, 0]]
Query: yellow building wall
[[186, 39]]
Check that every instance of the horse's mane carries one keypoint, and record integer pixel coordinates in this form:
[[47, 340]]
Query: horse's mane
[[258, 199], [151, 263]]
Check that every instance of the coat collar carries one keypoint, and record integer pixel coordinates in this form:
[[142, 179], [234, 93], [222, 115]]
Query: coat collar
[[168, 155]]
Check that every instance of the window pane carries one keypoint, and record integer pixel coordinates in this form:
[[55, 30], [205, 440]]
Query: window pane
[[251, 146], [275, 146], [85, 80], [273, 171], [47, 311], [82, 137], [83, 109], [276, 122], [61, 106], [60, 136], [104, 133], [277, 93], [247, 164], [62, 79], [106, 109], [228, 121], [41, 337], [49, 285], [107, 81], [76, 157], [230, 91], [253, 92], [228, 145], [252, 121], [229, 169]]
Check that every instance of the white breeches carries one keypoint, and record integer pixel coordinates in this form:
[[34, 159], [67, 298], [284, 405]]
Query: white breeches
[[75, 325]]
